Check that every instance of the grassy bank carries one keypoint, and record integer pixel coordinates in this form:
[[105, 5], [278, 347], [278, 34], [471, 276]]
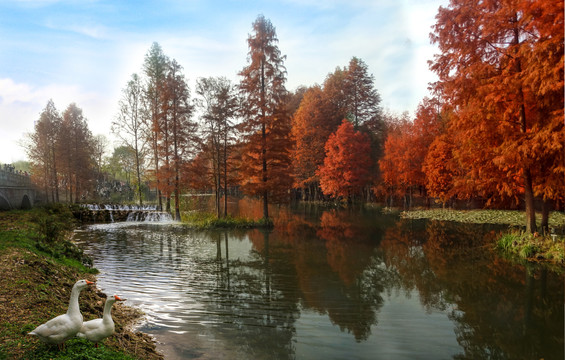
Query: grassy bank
[[39, 267], [505, 217], [531, 247], [204, 220]]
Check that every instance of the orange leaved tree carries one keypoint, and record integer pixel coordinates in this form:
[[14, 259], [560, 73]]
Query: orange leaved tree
[[265, 167], [346, 166], [439, 170], [312, 124], [501, 68], [406, 148]]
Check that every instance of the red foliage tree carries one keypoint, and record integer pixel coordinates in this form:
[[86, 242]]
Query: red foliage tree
[[266, 163], [346, 167], [406, 148], [312, 124], [438, 168], [501, 67]]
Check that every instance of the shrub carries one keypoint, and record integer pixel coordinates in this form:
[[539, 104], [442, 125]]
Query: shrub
[[506, 241], [54, 222], [529, 250]]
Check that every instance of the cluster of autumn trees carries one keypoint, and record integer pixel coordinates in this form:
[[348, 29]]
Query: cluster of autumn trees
[[492, 131], [254, 136], [64, 154], [495, 130]]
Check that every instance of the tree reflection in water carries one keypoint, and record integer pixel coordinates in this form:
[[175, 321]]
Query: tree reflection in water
[[501, 310], [248, 289]]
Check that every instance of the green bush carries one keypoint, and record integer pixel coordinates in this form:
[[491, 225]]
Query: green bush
[[54, 222]]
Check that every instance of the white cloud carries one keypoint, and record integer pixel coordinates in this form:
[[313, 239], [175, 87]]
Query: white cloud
[[91, 69], [21, 104], [89, 29]]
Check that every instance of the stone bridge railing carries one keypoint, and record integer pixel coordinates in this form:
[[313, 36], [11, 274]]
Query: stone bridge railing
[[16, 189], [12, 178]]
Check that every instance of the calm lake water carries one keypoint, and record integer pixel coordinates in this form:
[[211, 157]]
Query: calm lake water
[[330, 284]]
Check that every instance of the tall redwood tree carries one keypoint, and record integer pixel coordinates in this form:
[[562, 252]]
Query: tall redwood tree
[[265, 167]]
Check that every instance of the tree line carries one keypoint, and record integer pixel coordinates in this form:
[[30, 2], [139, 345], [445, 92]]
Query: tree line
[[63, 154], [492, 130]]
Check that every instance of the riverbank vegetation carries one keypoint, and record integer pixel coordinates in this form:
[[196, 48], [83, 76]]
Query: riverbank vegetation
[[516, 242], [533, 247], [39, 267], [491, 134], [205, 220], [504, 217]]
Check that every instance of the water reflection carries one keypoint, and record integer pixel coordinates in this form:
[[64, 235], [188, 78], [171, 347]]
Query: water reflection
[[331, 283], [500, 311]]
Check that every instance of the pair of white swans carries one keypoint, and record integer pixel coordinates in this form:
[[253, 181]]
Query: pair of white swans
[[63, 327]]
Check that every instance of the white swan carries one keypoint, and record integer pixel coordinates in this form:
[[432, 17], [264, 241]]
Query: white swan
[[63, 327], [98, 329]]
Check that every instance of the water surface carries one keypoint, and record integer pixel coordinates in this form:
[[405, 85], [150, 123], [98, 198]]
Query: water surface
[[331, 284]]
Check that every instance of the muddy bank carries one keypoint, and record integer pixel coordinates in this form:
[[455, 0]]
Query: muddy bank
[[33, 290], [35, 286]]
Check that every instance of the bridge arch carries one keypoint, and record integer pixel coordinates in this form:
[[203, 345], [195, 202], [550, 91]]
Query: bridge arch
[[4, 203], [26, 203]]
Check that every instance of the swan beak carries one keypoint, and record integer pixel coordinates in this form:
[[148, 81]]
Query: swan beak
[[89, 282], [119, 298]]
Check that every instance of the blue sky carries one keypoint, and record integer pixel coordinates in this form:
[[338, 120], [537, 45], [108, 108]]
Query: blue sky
[[84, 51]]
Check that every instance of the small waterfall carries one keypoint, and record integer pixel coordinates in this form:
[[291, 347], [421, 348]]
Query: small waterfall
[[131, 213], [110, 208], [149, 216]]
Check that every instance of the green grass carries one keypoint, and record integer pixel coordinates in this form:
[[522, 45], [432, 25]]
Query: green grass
[[505, 217], [204, 220], [44, 231], [39, 265], [530, 247], [76, 349]]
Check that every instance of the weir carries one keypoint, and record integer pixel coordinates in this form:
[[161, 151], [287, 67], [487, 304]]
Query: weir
[[97, 213]]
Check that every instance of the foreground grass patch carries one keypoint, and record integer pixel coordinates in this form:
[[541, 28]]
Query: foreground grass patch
[[39, 267], [44, 231]]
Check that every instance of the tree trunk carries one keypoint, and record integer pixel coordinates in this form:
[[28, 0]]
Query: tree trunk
[[528, 186], [156, 157], [225, 172], [545, 208], [56, 182], [77, 189], [219, 182], [529, 199], [138, 173], [177, 186], [217, 199], [264, 145]]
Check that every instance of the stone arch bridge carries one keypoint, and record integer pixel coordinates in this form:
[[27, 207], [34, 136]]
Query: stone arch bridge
[[16, 191]]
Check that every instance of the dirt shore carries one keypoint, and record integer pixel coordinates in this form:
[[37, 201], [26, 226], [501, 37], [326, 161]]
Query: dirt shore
[[35, 288]]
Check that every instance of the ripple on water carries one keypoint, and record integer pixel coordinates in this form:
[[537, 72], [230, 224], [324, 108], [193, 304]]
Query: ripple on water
[[293, 303]]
